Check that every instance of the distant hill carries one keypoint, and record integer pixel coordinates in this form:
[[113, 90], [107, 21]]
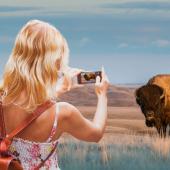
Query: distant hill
[[85, 96]]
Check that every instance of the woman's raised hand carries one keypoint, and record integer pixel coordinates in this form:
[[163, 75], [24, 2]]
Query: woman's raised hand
[[102, 85], [67, 80]]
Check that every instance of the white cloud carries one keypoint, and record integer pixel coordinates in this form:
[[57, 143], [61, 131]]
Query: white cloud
[[137, 8], [123, 45], [61, 7], [51, 6], [84, 41], [161, 43]]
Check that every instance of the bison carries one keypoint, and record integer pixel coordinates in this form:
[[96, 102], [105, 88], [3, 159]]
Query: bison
[[154, 101]]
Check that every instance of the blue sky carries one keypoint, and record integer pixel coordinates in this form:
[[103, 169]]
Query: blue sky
[[131, 38]]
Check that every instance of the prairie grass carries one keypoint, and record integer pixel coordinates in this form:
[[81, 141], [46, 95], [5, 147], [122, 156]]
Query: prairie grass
[[116, 152]]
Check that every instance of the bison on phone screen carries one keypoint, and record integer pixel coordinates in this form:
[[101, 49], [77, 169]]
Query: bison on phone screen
[[89, 76], [154, 101]]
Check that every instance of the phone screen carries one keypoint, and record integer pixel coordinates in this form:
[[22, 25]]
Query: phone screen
[[88, 77]]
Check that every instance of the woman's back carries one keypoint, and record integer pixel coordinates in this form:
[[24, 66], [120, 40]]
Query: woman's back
[[38, 131], [38, 140]]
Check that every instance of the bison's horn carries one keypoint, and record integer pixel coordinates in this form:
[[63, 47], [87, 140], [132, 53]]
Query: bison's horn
[[163, 95]]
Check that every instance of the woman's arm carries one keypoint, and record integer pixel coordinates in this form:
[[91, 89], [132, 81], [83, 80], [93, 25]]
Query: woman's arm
[[82, 128], [101, 114]]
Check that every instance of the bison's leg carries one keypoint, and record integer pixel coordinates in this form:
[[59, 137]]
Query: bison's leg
[[164, 131], [159, 131]]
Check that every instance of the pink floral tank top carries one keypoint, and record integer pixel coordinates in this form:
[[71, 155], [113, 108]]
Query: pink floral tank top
[[31, 154]]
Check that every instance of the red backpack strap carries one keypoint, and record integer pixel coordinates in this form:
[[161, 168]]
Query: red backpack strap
[[2, 122]]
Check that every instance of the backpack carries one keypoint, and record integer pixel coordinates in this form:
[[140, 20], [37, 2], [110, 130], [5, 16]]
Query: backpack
[[7, 160]]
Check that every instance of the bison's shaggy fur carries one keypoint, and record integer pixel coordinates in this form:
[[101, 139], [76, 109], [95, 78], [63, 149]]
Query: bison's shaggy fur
[[154, 101]]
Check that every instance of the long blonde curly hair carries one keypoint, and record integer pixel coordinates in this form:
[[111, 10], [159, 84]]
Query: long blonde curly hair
[[32, 65]]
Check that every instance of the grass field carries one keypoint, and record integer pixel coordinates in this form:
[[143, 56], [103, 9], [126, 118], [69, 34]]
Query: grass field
[[126, 145], [118, 152]]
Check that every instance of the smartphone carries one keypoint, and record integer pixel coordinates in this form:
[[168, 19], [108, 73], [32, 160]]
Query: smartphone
[[88, 77]]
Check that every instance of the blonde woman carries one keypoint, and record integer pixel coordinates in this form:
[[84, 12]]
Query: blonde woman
[[40, 53]]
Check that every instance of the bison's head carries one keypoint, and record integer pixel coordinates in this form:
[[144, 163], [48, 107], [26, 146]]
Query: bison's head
[[151, 99]]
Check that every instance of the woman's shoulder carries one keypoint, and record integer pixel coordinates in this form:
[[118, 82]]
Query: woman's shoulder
[[65, 113], [66, 109], [65, 105]]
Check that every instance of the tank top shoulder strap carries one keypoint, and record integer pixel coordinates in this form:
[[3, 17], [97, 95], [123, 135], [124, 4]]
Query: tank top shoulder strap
[[54, 127]]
